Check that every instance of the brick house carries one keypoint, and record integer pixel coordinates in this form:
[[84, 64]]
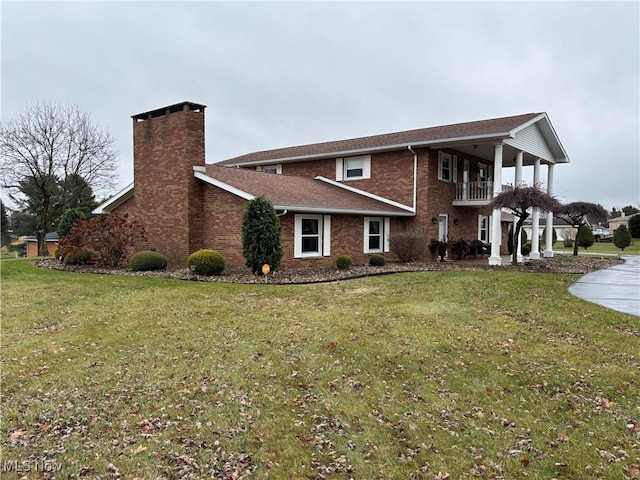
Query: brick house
[[332, 198]]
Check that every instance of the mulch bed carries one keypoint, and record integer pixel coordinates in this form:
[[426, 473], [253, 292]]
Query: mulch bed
[[559, 264]]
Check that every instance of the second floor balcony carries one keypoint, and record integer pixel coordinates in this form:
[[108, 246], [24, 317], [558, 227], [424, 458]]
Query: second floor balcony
[[475, 194]]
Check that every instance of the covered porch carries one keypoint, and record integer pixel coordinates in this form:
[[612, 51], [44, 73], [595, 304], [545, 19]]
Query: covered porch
[[533, 145]]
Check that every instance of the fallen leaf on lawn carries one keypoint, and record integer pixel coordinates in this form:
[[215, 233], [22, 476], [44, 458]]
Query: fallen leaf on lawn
[[140, 449]]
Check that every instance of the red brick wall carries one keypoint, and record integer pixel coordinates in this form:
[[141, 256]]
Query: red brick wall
[[222, 226], [168, 197], [391, 174]]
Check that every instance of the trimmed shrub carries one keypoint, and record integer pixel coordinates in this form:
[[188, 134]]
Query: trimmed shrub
[[634, 226], [147, 260], [526, 249], [376, 260], [585, 237], [622, 237], [344, 262], [206, 262]]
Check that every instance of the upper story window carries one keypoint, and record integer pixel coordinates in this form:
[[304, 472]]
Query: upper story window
[[447, 167], [270, 168], [484, 173], [353, 168]]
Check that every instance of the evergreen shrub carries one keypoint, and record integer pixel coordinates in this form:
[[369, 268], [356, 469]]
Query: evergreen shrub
[[206, 262], [147, 260], [377, 260], [344, 262]]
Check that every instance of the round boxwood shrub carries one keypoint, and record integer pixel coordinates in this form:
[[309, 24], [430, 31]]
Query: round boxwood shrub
[[377, 260], [344, 262], [206, 262], [147, 260]]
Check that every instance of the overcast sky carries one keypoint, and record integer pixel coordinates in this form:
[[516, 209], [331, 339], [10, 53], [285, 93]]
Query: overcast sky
[[290, 73]]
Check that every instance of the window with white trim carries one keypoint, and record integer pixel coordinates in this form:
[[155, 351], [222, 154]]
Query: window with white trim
[[484, 229], [376, 234], [353, 168], [277, 168], [312, 236], [447, 167]]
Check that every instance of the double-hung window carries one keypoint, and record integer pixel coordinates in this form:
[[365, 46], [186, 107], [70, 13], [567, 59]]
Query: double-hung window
[[376, 234], [447, 167], [312, 236], [353, 168]]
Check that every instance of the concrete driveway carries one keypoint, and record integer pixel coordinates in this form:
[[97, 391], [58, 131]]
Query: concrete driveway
[[617, 288]]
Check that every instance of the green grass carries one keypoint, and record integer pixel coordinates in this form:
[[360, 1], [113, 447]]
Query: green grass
[[474, 374], [607, 248]]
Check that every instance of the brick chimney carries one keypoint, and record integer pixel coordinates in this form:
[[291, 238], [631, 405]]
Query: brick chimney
[[167, 144]]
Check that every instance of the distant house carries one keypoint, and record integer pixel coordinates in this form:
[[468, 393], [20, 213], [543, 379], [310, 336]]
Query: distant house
[[563, 229], [623, 219], [32, 244], [332, 198]]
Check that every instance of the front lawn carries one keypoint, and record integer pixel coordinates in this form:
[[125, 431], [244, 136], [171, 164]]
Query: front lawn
[[477, 374]]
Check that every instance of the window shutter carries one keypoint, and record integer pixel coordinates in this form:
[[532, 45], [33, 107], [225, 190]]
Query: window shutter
[[297, 240], [387, 231], [439, 165], [326, 236], [366, 167], [339, 169], [365, 238], [454, 169]]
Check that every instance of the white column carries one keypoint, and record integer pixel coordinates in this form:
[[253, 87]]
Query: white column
[[535, 216], [496, 233], [517, 182], [548, 240]]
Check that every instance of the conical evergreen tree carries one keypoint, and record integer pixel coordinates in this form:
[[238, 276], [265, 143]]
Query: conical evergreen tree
[[622, 237], [261, 235]]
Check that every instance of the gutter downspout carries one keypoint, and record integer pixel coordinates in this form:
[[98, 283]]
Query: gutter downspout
[[415, 177], [284, 212]]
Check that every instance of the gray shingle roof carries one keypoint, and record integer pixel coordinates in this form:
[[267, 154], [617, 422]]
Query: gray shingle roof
[[477, 129], [301, 194]]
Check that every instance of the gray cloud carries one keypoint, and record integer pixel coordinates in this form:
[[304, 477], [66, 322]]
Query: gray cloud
[[281, 74]]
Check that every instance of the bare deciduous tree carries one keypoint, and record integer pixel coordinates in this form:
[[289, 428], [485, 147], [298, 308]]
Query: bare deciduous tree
[[45, 146], [579, 213], [519, 201]]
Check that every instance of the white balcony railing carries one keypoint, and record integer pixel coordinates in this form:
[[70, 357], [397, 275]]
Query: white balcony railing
[[474, 191]]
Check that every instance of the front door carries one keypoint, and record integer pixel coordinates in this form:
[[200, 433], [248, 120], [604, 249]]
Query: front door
[[443, 227]]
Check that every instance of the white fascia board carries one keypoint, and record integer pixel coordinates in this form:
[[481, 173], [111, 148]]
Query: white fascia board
[[224, 186], [115, 201], [365, 194], [364, 151], [343, 211]]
